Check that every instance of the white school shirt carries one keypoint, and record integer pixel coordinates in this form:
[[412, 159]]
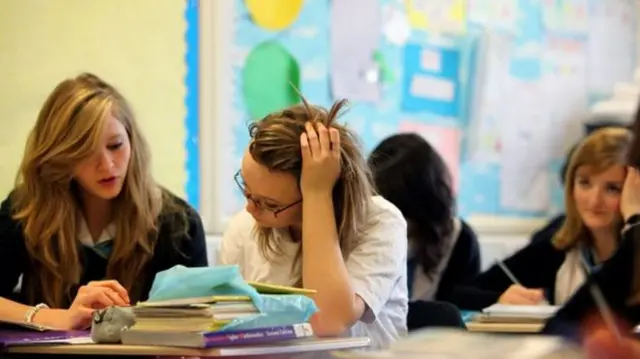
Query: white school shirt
[[376, 266]]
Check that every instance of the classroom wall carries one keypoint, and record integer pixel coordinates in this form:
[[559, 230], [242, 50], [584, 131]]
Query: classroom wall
[[136, 45]]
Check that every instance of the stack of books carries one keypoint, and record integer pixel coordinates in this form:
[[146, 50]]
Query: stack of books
[[501, 313], [198, 322]]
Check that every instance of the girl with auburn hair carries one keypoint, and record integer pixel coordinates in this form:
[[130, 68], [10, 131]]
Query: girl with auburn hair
[[618, 280], [311, 221], [554, 268], [87, 226]]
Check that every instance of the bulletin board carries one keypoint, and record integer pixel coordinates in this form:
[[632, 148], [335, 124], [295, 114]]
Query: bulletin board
[[501, 88]]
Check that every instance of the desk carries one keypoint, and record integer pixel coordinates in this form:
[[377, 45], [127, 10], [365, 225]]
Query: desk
[[523, 328], [298, 346]]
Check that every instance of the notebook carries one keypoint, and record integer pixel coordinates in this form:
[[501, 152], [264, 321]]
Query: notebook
[[265, 288], [519, 312]]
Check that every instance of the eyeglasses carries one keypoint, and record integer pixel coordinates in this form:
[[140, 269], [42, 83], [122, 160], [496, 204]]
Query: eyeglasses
[[258, 203]]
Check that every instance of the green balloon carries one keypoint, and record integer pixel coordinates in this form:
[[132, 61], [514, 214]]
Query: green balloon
[[270, 79]]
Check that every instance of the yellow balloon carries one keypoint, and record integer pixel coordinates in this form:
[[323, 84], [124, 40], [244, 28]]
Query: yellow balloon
[[273, 14]]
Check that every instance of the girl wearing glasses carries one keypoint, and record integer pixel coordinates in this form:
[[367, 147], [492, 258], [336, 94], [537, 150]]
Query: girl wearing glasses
[[311, 221]]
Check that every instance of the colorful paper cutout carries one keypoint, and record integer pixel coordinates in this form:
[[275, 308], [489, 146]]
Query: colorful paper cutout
[[273, 15], [270, 79], [446, 140], [431, 80], [447, 16]]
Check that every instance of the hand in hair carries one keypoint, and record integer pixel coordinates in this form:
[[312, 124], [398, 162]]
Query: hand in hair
[[630, 199], [320, 158], [519, 295], [90, 297]]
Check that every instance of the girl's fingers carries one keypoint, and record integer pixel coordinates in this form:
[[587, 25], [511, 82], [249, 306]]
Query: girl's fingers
[[323, 135], [314, 144], [334, 137], [114, 285], [304, 146]]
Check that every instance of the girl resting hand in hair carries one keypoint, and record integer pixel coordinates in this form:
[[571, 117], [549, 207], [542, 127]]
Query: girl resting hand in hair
[[311, 220], [87, 226]]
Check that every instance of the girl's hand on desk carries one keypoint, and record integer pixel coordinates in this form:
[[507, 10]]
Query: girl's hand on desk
[[519, 295], [90, 297]]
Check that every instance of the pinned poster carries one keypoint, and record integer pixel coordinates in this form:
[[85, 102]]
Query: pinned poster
[[270, 79], [445, 140], [565, 16], [612, 38], [274, 15], [442, 16], [498, 14], [355, 32], [431, 80], [396, 28]]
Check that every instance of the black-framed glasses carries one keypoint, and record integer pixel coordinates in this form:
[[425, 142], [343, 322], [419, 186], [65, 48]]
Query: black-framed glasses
[[240, 182]]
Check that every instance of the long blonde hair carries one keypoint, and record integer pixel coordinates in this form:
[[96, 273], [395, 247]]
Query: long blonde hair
[[275, 144], [45, 201], [601, 149]]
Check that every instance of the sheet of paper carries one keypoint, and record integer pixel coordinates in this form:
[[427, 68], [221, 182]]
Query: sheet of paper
[[498, 14], [486, 116], [564, 80], [565, 16], [396, 28], [612, 35], [355, 32], [524, 177], [431, 81], [445, 140], [443, 16]]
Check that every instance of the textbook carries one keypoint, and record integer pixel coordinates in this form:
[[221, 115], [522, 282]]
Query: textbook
[[17, 337], [190, 317], [212, 339]]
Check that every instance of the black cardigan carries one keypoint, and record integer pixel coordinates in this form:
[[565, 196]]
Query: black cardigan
[[464, 263], [169, 251], [535, 266], [614, 278]]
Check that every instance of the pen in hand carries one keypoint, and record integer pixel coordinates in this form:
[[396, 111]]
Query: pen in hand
[[513, 278]]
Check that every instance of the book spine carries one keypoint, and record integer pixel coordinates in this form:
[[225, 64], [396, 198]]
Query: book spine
[[259, 335]]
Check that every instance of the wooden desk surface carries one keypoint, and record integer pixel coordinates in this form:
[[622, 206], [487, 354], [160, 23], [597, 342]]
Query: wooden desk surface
[[299, 346], [525, 328]]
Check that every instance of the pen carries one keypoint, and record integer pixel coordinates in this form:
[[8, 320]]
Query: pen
[[506, 271], [605, 310]]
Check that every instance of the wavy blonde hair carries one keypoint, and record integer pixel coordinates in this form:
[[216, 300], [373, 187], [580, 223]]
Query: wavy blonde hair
[[275, 144], [602, 149], [46, 198]]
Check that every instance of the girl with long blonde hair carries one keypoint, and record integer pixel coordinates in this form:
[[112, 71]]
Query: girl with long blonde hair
[[311, 221], [87, 226], [552, 269]]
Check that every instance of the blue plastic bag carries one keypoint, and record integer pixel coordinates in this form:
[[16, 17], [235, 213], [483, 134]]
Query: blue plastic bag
[[273, 310], [277, 310], [183, 282]]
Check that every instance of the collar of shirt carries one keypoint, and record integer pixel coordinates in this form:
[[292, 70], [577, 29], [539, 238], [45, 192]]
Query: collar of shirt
[[103, 245]]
